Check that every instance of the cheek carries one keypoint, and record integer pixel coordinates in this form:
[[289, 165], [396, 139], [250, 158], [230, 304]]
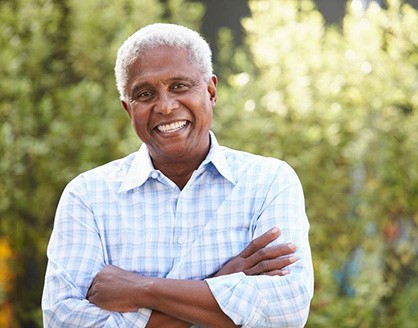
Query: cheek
[[204, 108], [139, 124], [139, 117]]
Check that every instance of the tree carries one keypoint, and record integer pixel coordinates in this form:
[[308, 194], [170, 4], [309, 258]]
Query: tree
[[60, 114], [340, 105]]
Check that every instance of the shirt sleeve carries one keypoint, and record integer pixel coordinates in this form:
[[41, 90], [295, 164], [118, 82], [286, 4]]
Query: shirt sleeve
[[273, 301], [75, 256]]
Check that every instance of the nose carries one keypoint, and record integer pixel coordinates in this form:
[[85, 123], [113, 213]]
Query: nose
[[166, 103]]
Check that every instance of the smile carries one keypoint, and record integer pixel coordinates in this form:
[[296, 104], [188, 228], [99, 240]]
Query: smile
[[173, 127]]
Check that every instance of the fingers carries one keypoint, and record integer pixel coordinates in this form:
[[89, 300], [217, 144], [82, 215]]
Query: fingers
[[271, 252], [274, 251], [273, 266], [260, 242], [260, 258], [277, 273]]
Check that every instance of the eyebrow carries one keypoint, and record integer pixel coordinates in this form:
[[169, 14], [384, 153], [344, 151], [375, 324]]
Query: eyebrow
[[182, 78], [138, 87], [142, 85]]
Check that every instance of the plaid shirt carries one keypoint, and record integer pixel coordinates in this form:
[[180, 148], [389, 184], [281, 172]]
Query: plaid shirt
[[130, 215]]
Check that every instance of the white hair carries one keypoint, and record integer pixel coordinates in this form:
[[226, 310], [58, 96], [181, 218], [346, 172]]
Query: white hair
[[161, 34]]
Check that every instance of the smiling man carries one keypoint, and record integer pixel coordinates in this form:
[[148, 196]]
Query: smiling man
[[184, 231], [170, 104]]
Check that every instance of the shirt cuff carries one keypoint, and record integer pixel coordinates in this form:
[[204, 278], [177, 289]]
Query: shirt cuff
[[236, 297], [138, 319]]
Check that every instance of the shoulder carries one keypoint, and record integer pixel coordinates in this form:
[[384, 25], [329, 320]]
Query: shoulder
[[104, 176], [262, 177], [245, 163]]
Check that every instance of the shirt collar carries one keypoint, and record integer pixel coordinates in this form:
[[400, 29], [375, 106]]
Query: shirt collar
[[217, 157], [138, 172], [141, 166]]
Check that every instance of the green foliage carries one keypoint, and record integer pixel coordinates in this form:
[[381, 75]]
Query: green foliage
[[59, 113], [340, 104]]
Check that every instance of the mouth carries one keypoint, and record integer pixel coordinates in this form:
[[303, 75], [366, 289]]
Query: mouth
[[172, 127]]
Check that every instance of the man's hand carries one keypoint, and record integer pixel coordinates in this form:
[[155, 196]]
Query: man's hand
[[111, 290], [258, 259], [175, 303], [112, 287]]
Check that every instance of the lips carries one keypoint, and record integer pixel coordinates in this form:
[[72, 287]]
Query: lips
[[172, 127]]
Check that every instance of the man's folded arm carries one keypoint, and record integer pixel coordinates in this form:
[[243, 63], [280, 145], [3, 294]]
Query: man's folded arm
[[191, 301]]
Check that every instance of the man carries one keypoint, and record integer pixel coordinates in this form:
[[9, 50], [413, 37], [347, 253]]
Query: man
[[183, 232]]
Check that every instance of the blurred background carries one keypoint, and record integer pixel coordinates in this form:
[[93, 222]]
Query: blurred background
[[331, 87]]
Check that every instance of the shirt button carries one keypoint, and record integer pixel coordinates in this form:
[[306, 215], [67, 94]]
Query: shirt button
[[181, 240], [154, 175]]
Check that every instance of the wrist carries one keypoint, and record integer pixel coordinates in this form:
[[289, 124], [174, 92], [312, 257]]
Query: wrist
[[142, 291]]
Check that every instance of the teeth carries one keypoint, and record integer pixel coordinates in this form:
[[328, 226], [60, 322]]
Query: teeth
[[171, 127]]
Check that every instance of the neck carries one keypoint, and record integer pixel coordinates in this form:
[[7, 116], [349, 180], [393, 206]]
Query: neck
[[180, 169], [180, 172]]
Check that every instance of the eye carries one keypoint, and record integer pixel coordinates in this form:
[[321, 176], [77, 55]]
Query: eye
[[180, 86], [142, 96]]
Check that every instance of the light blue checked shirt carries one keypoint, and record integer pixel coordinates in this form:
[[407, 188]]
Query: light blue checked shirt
[[130, 215]]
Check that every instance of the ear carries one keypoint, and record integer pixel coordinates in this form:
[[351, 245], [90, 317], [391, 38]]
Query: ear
[[212, 89], [126, 108]]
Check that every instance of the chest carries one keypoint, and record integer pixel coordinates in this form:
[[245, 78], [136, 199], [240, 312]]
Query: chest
[[160, 231]]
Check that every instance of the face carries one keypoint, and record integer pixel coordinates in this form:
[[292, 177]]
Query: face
[[170, 104]]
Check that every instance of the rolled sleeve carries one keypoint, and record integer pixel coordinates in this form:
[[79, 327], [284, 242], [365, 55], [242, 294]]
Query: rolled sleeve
[[262, 301], [230, 293]]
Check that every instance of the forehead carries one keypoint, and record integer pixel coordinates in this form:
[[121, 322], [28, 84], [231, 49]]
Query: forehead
[[162, 61]]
